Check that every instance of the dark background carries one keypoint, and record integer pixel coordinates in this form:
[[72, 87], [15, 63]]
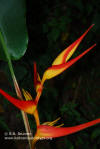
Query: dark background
[[75, 94]]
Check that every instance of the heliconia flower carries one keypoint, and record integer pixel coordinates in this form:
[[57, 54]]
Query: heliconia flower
[[45, 131], [60, 63], [28, 106]]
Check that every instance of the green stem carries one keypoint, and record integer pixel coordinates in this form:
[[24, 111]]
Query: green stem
[[7, 55], [17, 89]]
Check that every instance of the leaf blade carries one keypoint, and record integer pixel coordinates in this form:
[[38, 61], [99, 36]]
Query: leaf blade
[[13, 28]]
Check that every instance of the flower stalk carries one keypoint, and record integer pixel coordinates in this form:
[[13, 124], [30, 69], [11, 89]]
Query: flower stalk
[[17, 89]]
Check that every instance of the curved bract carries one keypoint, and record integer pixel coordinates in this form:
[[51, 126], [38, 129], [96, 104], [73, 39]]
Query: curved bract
[[57, 69], [46, 131], [27, 106], [60, 64], [65, 55]]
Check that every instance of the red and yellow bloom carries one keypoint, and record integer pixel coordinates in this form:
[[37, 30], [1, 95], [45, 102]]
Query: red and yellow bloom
[[58, 66], [61, 63]]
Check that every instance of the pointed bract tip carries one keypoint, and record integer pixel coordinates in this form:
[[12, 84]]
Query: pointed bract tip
[[92, 24], [34, 62]]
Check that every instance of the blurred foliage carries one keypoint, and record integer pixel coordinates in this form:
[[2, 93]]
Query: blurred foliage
[[3, 124], [75, 94]]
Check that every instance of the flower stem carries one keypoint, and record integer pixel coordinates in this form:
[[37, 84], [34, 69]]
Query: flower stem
[[17, 89]]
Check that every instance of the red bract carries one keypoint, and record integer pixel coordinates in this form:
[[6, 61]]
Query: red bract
[[65, 55], [37, 80], [49, 132], [60, 64], [27, 106], [46, 131], [37, 83], [57, 69]]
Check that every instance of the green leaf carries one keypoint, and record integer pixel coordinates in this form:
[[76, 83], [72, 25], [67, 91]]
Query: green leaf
[[13, 28]]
